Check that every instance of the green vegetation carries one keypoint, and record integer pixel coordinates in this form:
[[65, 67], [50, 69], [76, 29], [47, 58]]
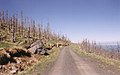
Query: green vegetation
[[18, 32], [22, 30], [5, 45], [104, 60], [43, 63]]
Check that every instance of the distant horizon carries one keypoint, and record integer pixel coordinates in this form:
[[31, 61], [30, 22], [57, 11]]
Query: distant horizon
[[98, 41], [102, 42]]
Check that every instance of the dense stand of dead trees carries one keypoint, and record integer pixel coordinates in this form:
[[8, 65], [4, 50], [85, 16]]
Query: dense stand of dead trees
[[93, 47], [18, 26]]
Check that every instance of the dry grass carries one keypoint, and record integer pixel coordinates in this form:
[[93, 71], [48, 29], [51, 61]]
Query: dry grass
[[42, 64], [105, 60]]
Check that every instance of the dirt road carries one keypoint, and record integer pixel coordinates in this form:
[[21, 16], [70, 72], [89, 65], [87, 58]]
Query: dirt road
[[69, 63]]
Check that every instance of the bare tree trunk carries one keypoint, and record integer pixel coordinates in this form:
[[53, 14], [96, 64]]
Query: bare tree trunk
[[39, 31], [13, 29], [22, 24], [33, 29]]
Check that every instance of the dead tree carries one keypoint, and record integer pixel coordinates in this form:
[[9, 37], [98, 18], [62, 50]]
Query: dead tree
[[33, 29], [13, 29], [48, 31], [22, 26], [29, 29], [39, 31]]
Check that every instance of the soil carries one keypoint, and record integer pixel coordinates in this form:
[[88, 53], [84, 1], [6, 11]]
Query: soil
[[70, 63]]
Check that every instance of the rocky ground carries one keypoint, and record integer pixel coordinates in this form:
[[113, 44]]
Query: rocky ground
[[13, 61]]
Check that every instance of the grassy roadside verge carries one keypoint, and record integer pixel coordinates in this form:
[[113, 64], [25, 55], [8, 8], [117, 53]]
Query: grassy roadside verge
[[4, 45], [106, 61], [42, 64]]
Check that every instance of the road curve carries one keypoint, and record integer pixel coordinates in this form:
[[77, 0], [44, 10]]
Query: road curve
[[69, 63]]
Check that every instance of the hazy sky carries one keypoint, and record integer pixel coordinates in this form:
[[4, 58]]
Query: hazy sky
[[93, 19]]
